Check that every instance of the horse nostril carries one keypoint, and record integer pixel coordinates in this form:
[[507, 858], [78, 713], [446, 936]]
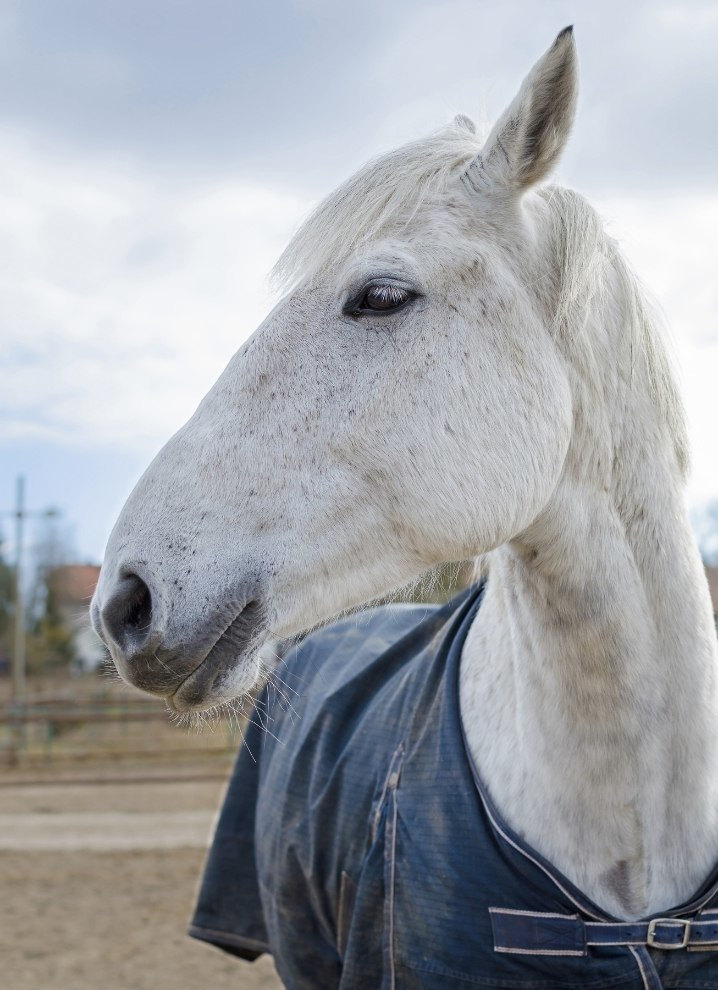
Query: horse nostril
[[139, 607], [127, 616]]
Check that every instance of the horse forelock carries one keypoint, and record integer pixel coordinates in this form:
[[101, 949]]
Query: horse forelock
[[379, 199]]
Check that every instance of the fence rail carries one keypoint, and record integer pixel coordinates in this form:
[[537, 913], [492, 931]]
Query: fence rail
[[80, 716], [52, 729]]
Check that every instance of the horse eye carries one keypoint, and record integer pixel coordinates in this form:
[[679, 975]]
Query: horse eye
[[383, 298]]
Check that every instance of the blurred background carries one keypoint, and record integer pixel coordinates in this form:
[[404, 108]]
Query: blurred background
[[155, 157]]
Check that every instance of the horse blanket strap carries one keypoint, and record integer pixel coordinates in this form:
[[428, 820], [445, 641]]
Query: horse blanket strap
[[546, 934]]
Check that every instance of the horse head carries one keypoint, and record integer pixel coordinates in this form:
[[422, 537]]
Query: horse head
[[405, 403]]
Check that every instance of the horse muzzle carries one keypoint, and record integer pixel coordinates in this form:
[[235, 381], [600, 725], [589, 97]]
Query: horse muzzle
[[188, 664]]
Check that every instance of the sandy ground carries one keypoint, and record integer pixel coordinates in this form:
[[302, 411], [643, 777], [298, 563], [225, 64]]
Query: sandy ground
[[96, 886], [91, 831]]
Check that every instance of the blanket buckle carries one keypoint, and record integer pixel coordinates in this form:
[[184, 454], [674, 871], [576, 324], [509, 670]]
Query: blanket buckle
[[653, 942]]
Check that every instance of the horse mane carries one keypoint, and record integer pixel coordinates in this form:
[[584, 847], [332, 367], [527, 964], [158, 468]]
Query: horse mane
[[587, 258], [389, 190]]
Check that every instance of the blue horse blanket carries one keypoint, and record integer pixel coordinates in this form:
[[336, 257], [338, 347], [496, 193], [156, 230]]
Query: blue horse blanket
[[358, 845]]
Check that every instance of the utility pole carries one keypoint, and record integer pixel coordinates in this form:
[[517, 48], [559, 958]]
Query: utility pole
[[18, 662], [20, 514]]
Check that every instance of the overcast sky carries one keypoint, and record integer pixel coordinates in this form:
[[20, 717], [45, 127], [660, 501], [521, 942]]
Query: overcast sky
[[156, 155]]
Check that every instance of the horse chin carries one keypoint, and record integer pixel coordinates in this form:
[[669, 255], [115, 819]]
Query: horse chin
[[205, 690], [231, 668]]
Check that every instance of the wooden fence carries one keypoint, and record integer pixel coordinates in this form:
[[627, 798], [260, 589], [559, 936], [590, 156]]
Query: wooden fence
[[52, 729]]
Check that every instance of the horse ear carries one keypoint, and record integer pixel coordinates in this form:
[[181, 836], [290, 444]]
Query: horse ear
[[528, 138]]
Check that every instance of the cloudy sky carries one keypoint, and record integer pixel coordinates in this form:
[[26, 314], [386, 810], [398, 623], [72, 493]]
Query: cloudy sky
[[155, 156]]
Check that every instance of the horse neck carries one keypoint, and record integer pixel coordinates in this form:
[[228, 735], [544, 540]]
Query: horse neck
[[588, 681]]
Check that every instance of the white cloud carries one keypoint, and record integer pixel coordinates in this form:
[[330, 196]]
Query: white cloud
[[124, 293], [691, 17]]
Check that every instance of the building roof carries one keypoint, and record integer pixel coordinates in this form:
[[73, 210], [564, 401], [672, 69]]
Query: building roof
[[74, 584]]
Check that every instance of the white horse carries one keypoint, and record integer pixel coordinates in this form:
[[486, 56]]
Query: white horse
[[462, 365]]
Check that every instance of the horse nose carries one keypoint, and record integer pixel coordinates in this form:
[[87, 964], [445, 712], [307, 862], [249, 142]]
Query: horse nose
[[127, 616], [133, 624]]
